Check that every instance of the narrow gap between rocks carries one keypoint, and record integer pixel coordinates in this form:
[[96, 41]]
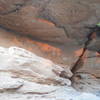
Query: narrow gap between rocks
[[80, 62]]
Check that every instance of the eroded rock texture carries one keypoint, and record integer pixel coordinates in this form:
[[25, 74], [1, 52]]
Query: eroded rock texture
[[58, 22], [28, 66], [50, 20]]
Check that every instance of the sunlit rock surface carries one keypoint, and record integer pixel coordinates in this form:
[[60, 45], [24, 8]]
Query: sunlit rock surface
[[27, 65], [21, 74]]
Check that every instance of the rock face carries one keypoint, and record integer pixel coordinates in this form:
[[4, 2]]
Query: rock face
[[85, 82], [50, 20], [56, 53], [21, 74], [86, 78], [31, 67], [95, 45], [8, 83]]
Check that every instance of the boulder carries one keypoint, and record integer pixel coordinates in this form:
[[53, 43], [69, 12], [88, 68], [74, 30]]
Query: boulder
[[27, 65]]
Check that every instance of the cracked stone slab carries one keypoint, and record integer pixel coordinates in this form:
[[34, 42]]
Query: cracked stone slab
[[91, 64], [87, 77]]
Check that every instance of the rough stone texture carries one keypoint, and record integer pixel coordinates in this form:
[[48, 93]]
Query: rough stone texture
[[50, 20], [28, 23], [9, 83], [94, 45], [87, 78], [28, 66], [56, 53], [64, 56], [86, 82], [19, 68], [53, 21], [33, 91]]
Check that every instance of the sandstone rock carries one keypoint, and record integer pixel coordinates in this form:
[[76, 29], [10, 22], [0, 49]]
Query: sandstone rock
[[59, 21], [28, 66], [29, 24], [10, 83], [7, 83], [91, 64], [15, 87], [50, 20], [94, 45], [10, 5], [86, 82], [60, 54], [86, 79]]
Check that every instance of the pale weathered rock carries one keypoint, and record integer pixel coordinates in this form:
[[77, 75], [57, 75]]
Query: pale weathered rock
[[10, 83], [28, 66], [7, 83]]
